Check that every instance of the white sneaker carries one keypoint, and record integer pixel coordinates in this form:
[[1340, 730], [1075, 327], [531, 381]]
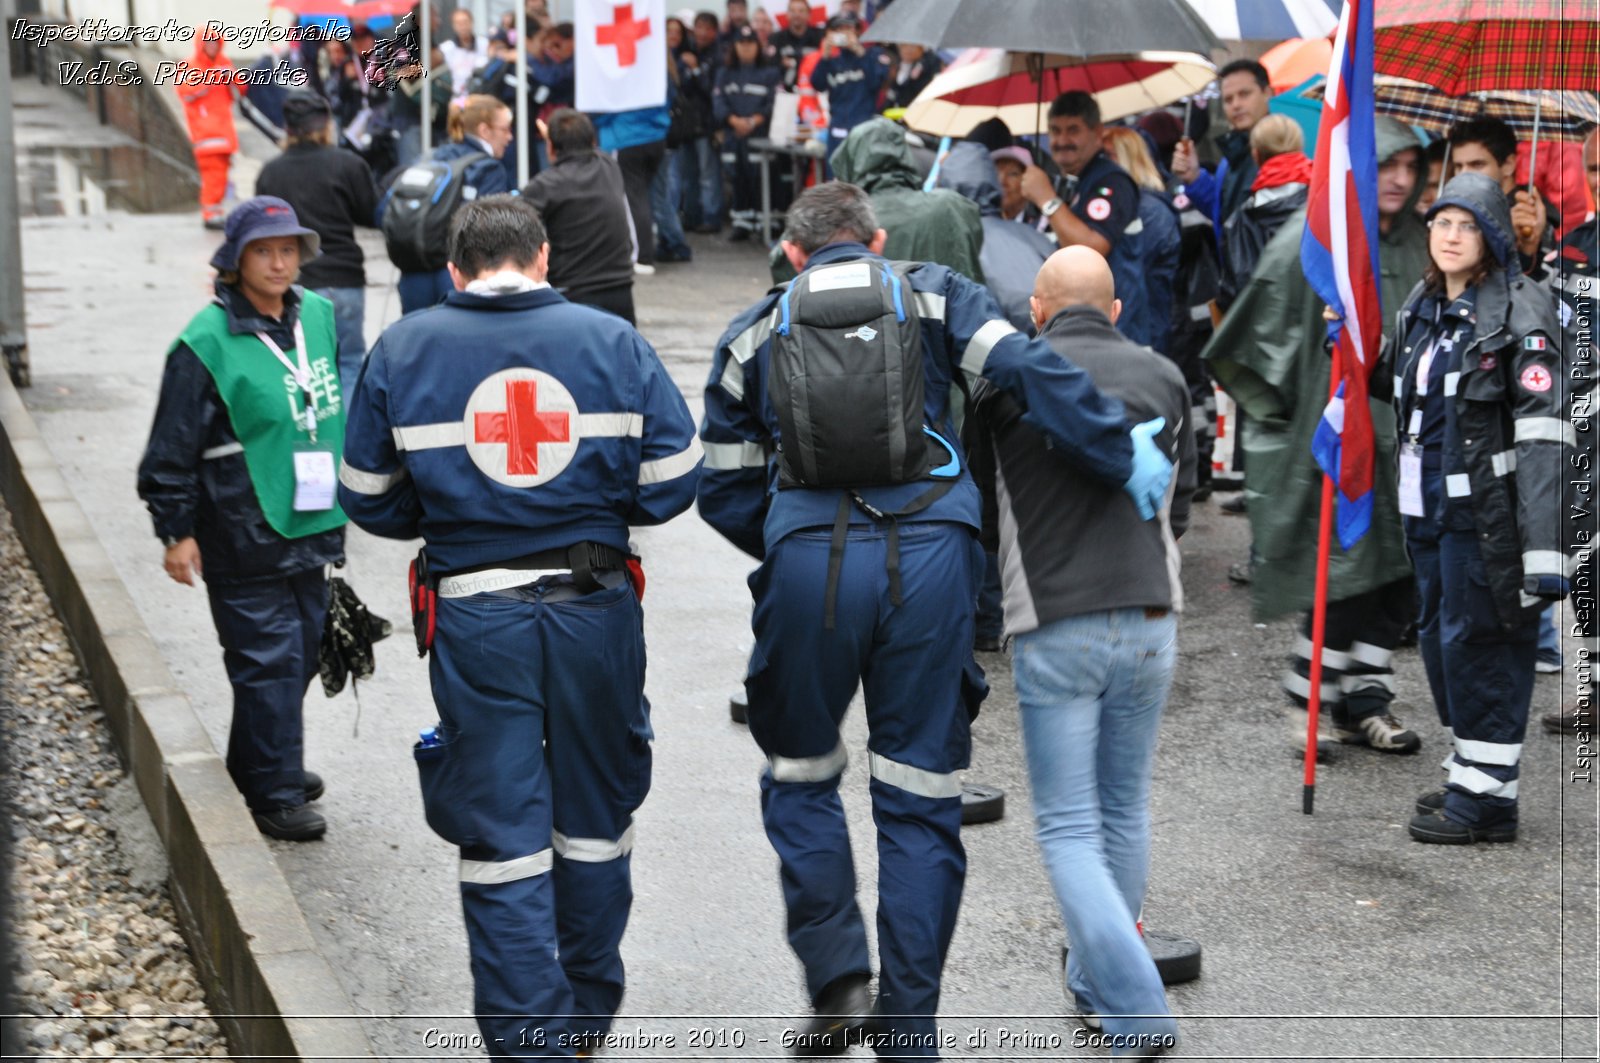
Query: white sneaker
[[643, 269]]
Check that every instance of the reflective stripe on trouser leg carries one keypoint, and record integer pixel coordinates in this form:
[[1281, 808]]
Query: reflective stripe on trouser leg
[[802, 677], [1489, 675], [920, 740], [600, 767], [800, 682], [509, 677]]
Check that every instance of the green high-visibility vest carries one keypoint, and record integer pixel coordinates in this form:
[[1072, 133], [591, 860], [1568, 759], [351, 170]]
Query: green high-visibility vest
[[267, 408]]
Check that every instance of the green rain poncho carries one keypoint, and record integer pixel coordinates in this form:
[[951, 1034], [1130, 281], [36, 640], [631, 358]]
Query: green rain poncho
[[1268, 355]]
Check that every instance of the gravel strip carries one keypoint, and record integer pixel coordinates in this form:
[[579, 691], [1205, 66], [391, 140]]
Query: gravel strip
[[99, 964]]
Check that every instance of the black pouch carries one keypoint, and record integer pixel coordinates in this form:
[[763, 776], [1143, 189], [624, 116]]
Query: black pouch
[[424, 596]]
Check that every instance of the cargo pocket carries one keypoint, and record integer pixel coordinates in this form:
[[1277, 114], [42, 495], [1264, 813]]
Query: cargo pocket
[[444, 800], [974, 687], [640, 757]]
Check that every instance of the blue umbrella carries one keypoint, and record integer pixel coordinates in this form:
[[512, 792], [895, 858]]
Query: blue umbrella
[[1268, 20]]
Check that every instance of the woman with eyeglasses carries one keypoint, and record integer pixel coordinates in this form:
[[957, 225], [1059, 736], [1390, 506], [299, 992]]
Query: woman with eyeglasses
[[1479, 391]]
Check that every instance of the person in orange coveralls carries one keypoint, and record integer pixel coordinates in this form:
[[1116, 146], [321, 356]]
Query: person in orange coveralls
[[207, 83]]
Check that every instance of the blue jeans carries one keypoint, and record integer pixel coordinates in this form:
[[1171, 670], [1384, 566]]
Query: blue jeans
[[349, 321], [699, 182], [418, 291], [1091, 690], [670, 243], [1549, 637]]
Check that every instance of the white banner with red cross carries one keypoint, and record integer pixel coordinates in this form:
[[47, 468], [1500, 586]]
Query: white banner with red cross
[[620, 54]]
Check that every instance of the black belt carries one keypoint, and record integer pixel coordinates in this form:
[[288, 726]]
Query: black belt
[[583, 559]]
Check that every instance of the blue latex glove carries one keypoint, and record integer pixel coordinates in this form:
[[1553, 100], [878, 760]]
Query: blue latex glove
[[1151, 469]]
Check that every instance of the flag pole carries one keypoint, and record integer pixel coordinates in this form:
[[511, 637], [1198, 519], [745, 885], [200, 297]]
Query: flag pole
[[1319, 617]]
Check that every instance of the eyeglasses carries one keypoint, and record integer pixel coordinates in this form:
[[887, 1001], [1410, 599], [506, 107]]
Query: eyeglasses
[[1447, 225]]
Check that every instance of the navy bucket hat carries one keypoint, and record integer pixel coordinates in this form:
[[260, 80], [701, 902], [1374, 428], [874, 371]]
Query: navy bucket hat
[[259, 219]]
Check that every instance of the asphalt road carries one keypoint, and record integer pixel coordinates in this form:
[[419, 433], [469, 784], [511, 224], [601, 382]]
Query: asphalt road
[[1329, 937]]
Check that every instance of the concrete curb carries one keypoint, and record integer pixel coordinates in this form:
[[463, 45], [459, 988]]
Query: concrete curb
[[268, 985]]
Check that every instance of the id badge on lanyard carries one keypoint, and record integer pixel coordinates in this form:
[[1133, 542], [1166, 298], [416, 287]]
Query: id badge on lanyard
[[315, 476]]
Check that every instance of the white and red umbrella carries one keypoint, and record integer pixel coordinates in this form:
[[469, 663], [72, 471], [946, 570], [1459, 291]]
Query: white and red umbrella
[[984, 83]]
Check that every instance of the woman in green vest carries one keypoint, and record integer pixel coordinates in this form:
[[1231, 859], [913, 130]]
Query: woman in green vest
[[240, 476]]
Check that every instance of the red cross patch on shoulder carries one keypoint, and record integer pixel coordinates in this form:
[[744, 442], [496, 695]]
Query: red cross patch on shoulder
[[1536, 378], [1098, 209]]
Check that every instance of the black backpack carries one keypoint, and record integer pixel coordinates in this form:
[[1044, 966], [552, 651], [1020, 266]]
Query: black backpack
[[846, 381], [418, 208], [845, 378]]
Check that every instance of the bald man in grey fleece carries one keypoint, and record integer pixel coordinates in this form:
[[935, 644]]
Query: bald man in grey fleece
[[1091, 592]]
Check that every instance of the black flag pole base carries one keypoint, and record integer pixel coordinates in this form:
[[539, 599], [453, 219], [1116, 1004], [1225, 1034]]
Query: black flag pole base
[[1308, 797]]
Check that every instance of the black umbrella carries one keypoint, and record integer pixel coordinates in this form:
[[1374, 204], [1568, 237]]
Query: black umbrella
[[1078, 28]]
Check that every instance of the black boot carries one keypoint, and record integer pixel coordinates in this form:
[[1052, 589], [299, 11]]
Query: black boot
[[301, 824], [1439, 829], [314, 787], [842, 1009]]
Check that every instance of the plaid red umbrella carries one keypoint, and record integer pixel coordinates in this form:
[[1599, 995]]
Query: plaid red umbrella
[[1462, 46], [1561, 114]]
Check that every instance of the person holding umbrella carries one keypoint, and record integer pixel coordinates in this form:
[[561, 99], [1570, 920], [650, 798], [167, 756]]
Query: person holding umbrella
[[1488, 146], [1480, 399], [1098, 203]]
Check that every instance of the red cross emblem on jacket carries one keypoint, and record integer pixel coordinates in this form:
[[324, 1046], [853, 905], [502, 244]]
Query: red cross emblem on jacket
[[521, 427]]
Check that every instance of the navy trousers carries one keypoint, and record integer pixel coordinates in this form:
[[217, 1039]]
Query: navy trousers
[[1481, 675], [914, 661], [270, 631], [545, 756]]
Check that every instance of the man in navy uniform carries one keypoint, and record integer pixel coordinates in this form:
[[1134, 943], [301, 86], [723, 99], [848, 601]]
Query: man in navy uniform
[[520, 436], [1094, 205], [887, 599]]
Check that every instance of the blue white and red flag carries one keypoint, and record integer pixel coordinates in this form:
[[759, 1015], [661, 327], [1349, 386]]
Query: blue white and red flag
[[1339, 254]]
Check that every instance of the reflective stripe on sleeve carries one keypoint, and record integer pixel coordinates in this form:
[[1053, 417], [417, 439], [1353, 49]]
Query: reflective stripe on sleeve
[[213, 453], [628, 425], [982, 342], [810, 769], [671, 467], [1546, 563], [743, 347], [370, 483], [430, 436], [733, 379], [1480, 782], [493, 872], [735, 455], [1457, 485], [1452, 381], [935, 784], [592, 850], [1504, 463], [1502, 753], [1545, 429], [930, 305]]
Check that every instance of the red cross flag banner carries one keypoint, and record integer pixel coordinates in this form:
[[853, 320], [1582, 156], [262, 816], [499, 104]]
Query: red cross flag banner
[[620, 54]]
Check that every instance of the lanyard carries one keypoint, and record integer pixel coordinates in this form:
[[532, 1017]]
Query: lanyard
[[300, 372]]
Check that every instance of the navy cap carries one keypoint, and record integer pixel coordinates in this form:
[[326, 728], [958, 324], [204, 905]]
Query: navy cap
[[746, 32], [259, 219], [844, 21]]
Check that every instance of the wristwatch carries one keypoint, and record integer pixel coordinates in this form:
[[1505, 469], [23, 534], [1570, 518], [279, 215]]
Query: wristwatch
[[169, 541], [1050, 207]]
